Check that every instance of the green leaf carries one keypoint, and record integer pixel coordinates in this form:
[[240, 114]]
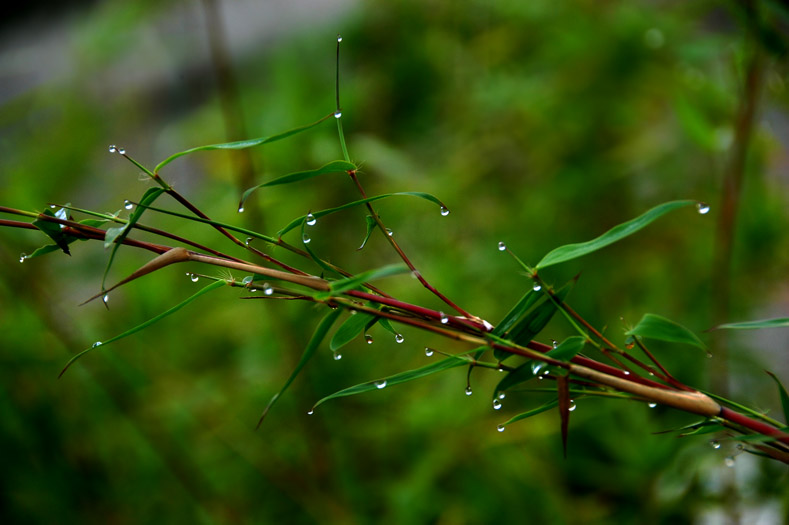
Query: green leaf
[[336, 166], [43, 250], [568, 349], [387, 325], [147, 199], [54, 230], [654, 326], [309, 351], [523, 373], [349, 283], [521, 307], [784, 396], [349, 330], [780, 322], [547, 406], [241, 144], [146, 324], [396, 379], [573, 251], [370, 227], [318, 214]]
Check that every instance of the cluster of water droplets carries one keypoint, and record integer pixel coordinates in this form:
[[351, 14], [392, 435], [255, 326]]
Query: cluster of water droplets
[[337, 356], [117, 149], [22, 257]]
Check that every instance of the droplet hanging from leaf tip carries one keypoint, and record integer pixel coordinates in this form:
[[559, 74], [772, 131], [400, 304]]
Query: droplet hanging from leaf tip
[[399, 338], [703, 208], [715, 444], [241, 209], [113, 148], [105, 298], [337, 114], [500, 428], [502, 246], [122, 151], [444, 211], [311, 411], [496, 404], [537, 286], [305, 239], [311, 220], [428, 351], [337, 356], [339, 37], [22, 257], [368, 338], [469, 391], [572, 406], [652, 405], [128, 204]]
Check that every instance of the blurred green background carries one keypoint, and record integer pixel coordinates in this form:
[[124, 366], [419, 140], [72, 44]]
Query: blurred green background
[[538, 123]]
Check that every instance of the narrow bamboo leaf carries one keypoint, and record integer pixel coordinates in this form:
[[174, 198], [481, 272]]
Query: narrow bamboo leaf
[[758, 438], [336, 166], [49, 248], [147, 199], [532, 324], [573, 251], [539, 410], [146, 324], [350, 330], [396, 379], [569, 348], [54, 230], [112, 233], [780, 322], [386, 325], [370, 228], [784, 396], [315, 341], [654, 326], [521, 307], [349, 283], [563, 392], [318, 214], [43, 250], [241, 144], [705, 429], [520, 375]]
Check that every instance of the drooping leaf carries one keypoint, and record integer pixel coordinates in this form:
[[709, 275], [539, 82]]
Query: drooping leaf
[[573, 251], [780, 322], [322, 213], [523, 373], [563, 393], [336, 166], [146, 324], [49, 248], [784, 396], [653, 326], [241, 144], [568, 349], [396, 379], [349, 283], [370, 227], [317, 337], [387, 325], [540, 409], [521, 307], [349, 330], [54, 230]]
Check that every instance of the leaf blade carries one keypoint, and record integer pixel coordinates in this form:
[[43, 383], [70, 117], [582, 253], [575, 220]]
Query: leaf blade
[[778, 322], [654, 326]]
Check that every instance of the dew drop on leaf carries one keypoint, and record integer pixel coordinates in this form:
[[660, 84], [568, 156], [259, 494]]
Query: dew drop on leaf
[[444, 318], [192, 277], [368, 338], [128, 204], [267, 289], [113, 148], [502, 395], [380, 384], [502, 246], [339, 38], [496, 404], [468, 391], [389, 232], [537, 287], [94, 345], [572, 406], [500, 428], [22, 257], [122, 151], [703, 208], [240, 209], [106, 298], [311, 220], [305, 239], [337, 356], [248, 240], [444, 211], [399, 338], [715, 444], [428, 351], [652, 405], [337, 114]]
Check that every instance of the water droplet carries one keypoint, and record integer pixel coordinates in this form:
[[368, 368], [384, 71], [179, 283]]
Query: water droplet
[[380, 384], [337, 114], [399, 338], [368, 338], [113, 148], [240, 209], [487, 325], [573, 406], [627, 372], [337, 356], [253, 290], [444, 318], [555, 343], [312, 411], [729, 461], [128, 204], [389, 232], [444, 211], [339, 38], [500, 428], [311, 220], [247, 279], [537, 367], [122, 151], [192, 277], [502, 246], [248, 240], [468, 391], [652, 405], [703, 208], [428, 351], [106, 298], [94, 345], [52, 206], [502, 395], [740, 447], [267, 289], [22, 257], [709, 355], [305, 239], [537, 286], [715, 444], [496, 404]]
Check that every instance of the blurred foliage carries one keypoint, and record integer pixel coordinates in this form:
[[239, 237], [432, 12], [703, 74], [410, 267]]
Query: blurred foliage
[[538, 123]]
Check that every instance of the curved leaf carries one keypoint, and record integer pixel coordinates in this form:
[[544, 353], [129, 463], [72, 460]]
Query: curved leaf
[[784, 396], [654, 326], [349, 283], [241, 144], [573, 251], [336, 166], [523, 305], [396, 379], [146, 324], [523, 373], [309, 351], [318, 214], [350, 330], [779, 322], [568, 349], [540, 409]]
